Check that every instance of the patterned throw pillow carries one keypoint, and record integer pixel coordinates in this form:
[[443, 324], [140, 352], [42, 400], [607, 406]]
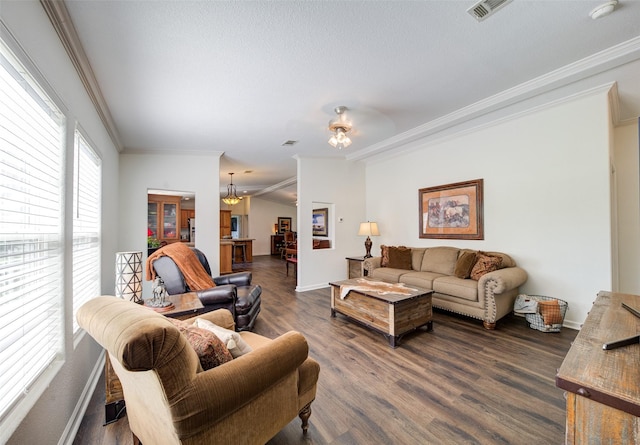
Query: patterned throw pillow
[[210, 349], [484, 265], [384, 253]]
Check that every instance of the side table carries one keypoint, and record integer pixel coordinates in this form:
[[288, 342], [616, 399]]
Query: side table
[[185, 306], [355, 267]]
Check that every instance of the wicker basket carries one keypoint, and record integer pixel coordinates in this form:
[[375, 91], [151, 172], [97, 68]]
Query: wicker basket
[[550, 313]]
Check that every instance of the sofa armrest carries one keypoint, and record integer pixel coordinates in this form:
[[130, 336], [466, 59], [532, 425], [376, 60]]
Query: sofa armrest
[[502, 280], [238, 278], [222, 390], [224, 294], [372, 263]]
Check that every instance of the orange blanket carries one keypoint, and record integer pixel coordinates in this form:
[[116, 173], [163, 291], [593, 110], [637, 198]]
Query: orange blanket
[[188, 263]]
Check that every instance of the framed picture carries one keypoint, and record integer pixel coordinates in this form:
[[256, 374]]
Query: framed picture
[[321, 222], [284, 224], [452, 211]]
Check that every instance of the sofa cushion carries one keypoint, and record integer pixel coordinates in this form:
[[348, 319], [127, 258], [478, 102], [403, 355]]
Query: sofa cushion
[[465, 263], [420, 279], [232, 340], [484, 264], [466, 289], [400, 258], [440, 260], [416, 257], [387, 274]]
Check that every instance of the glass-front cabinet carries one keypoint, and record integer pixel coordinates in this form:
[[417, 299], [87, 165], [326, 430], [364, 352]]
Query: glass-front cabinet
[[152, 220], [163, 217]]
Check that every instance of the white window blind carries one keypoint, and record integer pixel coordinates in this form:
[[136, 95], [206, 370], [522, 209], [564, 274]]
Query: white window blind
[[31, 210], [87, 177]]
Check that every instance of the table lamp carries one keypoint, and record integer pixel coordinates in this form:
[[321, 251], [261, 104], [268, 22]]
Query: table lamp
[[368, 229]]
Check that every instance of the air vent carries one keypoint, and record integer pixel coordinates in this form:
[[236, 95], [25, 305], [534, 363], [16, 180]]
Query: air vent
[[289, 143], [486, 8]]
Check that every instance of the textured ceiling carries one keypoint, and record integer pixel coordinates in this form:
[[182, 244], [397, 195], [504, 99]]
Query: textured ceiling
[[243, 77]]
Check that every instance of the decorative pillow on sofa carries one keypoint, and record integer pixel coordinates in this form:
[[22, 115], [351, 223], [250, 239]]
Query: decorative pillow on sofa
[[234, 342], [384, 256], [210, 349], [400, 257], [465, 263], [484, 264]]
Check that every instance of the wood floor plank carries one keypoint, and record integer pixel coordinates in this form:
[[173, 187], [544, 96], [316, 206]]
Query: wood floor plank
[[458, 384]]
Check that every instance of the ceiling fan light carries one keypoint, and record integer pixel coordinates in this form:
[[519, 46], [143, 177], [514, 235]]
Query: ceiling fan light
[[344, 144], [339, 128], [341, 136]]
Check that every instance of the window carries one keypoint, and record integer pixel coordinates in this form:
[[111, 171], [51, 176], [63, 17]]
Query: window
[[32, 133], [87, 178]]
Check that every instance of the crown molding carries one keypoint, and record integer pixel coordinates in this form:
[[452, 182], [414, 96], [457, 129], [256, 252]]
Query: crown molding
[[278, 186], [609, 88], [179, 152], [61, 21], [596, 63]]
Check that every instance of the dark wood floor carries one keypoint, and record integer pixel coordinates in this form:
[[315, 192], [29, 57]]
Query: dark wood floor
[[459, 384]]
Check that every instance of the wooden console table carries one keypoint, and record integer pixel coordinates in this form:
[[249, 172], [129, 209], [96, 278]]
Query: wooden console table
[[603, 395]]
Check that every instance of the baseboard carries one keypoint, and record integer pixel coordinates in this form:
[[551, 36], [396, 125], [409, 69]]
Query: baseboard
[[572, 325], [70, 431], [311, 287]]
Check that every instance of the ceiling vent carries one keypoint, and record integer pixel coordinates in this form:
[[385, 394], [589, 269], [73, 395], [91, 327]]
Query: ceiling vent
[[289, 143], [486, 8]]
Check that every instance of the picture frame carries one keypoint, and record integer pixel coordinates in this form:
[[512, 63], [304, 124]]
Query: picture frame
[[284, 224], [320, 221], [452, 211]]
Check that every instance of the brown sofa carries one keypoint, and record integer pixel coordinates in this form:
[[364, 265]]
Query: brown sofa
[[171, 400], [489, 298]]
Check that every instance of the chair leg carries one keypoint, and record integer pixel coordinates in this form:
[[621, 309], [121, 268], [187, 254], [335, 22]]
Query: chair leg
[[304, 415]]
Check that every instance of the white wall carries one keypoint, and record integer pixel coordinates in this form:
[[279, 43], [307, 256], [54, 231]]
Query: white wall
[[60, 403], [340, 184], [627, 163], [264, 214], [546, 196], [188, 173]]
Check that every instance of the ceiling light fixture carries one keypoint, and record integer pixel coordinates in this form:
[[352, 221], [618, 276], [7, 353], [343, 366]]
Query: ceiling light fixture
[[340, 127], [603, 10], [232, 196]]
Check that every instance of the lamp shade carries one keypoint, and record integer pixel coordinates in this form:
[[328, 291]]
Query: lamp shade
[[368, 229], [129, 276]]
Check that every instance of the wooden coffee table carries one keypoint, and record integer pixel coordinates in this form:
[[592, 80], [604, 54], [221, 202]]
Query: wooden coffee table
[[392, 314]]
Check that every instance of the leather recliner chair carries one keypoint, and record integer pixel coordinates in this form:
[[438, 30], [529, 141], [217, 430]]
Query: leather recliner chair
[[233, 291]]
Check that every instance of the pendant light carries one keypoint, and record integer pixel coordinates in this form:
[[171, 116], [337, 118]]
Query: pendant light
[[232, 197]]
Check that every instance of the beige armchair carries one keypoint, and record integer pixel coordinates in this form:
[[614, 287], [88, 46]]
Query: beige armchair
[[171, 400]]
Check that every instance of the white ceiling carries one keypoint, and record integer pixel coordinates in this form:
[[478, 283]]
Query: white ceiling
[[244, 76]]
